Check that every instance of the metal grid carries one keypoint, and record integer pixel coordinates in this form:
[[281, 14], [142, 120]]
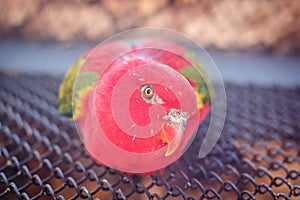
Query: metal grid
[[257, 156]]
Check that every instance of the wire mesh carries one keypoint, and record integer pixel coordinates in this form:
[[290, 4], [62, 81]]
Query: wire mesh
[[257, 156]]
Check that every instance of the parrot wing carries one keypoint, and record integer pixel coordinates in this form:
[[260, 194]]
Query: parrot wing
[[197, 76], [85, 84], [68, 95], [66, 88]]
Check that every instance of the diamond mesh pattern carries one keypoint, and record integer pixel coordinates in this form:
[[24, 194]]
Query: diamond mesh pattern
[[257, 156]]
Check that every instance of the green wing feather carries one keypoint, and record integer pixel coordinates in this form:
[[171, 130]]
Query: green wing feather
[[203, 85], [85, 83], [66, 88]]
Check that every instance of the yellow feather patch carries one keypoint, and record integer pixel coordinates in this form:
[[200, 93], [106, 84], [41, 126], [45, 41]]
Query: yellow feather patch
[[79, 101], [200, 98]]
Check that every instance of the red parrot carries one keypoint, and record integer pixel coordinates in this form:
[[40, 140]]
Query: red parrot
[[144, 108]]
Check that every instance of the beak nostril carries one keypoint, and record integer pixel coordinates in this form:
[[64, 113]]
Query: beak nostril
[[176, 115]]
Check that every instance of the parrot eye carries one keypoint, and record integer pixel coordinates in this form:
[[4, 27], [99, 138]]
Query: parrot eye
[[148, 92]]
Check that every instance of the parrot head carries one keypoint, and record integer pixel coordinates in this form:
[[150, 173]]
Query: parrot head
[[173, 122]]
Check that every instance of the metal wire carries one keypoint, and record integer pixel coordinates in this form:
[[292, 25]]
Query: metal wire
[[257, 156]]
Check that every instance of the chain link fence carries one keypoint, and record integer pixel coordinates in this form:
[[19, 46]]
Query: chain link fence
[[42, 157]]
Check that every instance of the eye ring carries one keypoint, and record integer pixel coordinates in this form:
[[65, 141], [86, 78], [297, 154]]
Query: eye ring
[[148, 92]]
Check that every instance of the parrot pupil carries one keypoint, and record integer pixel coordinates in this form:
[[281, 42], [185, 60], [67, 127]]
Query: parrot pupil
[[148, 91]]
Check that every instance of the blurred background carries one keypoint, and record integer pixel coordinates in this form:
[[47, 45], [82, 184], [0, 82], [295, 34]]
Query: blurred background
[[250, 41]]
